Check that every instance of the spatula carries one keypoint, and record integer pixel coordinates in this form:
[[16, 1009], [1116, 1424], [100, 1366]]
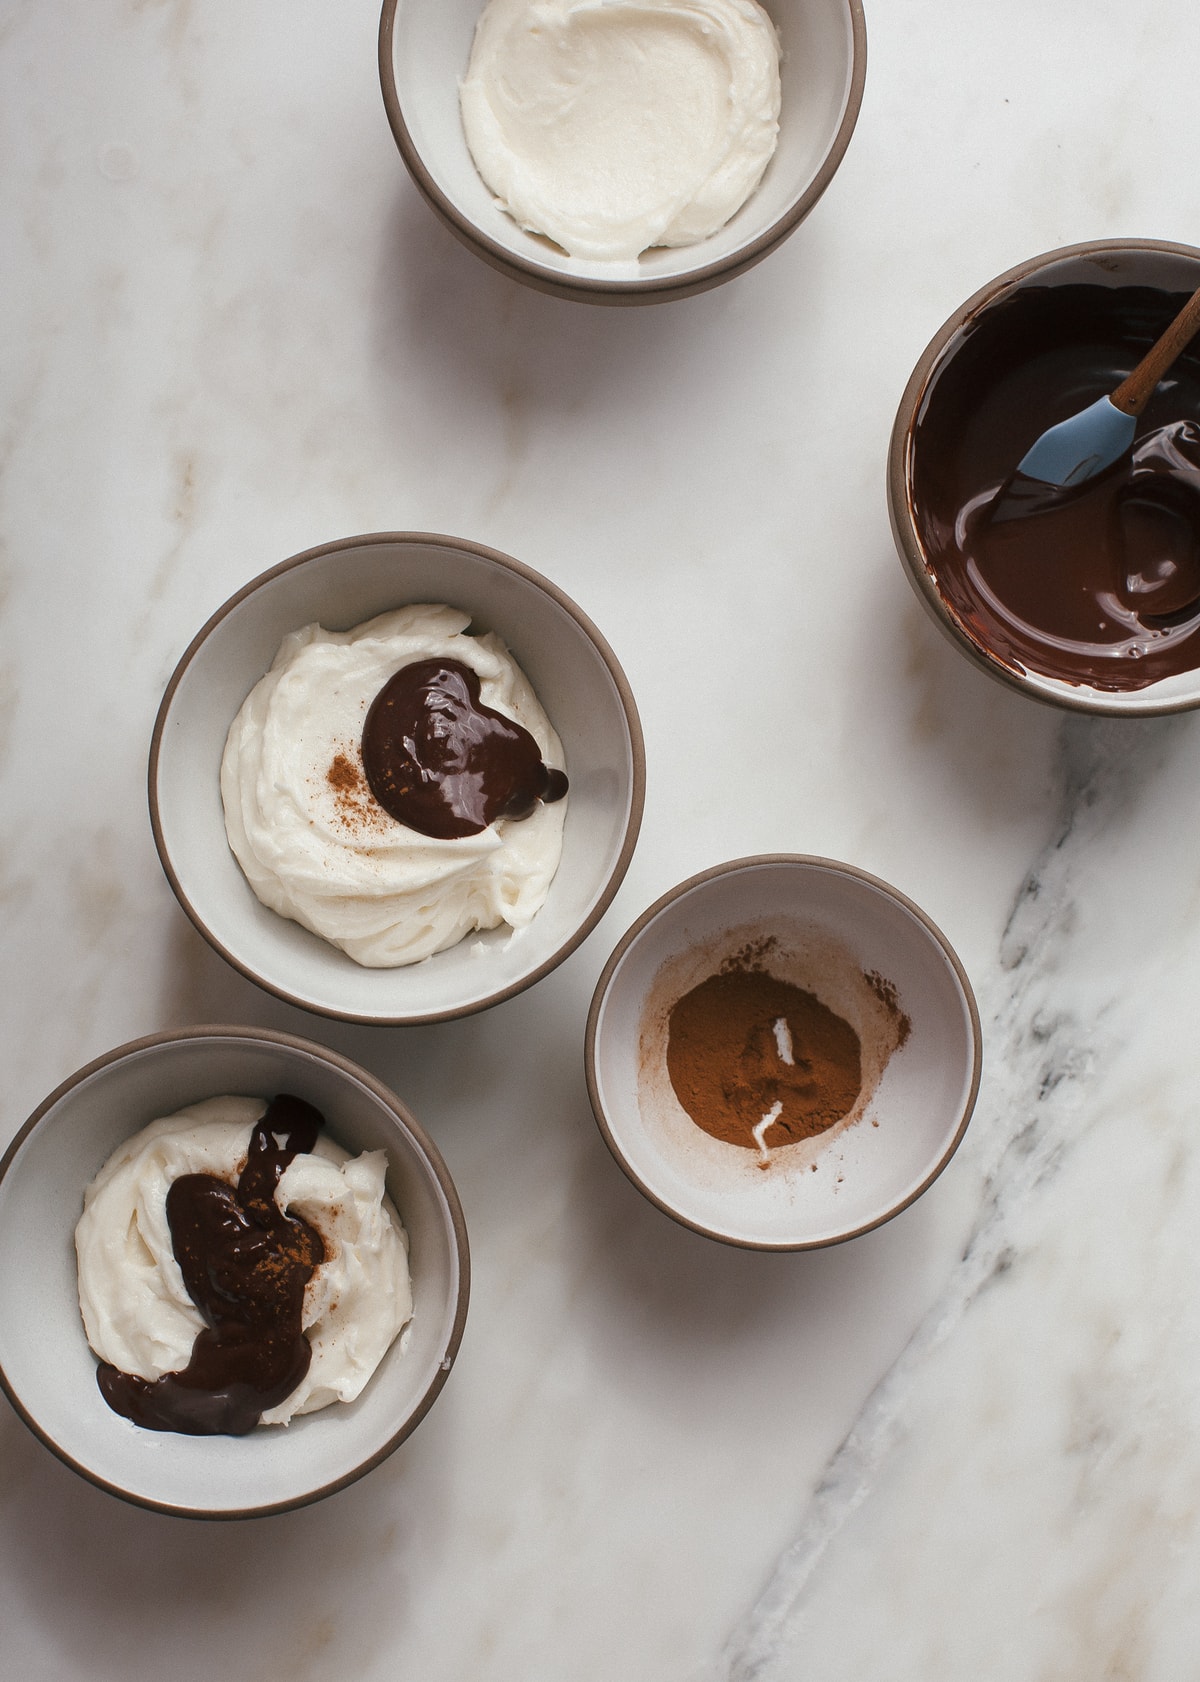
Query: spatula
[[1067, 455]]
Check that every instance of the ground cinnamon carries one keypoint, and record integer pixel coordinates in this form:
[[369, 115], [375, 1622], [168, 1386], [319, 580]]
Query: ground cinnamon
[[344, 776], [355, 806], [885, 991], [759, 1062]]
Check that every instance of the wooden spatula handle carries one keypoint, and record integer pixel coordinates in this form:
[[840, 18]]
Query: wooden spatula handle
[[1132, 394]]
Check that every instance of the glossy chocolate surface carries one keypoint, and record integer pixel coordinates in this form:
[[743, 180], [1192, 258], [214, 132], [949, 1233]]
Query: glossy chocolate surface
[[1099, 586], [245, 1264], [440, 760]]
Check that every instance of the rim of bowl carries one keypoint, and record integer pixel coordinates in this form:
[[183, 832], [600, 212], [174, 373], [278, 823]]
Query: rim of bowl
[[756, 861], [904, 530], [637, 751], [434, 1161], [590, 289]]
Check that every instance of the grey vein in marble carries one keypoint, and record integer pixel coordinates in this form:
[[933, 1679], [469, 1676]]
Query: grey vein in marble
[[1043, 1060]]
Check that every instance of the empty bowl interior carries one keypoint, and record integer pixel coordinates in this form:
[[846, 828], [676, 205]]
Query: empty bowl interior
[[340, 587], [49, 1369], [823, 916], [427, 56]]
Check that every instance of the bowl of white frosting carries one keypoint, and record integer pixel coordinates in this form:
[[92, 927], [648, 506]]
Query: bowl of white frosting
[[108, 1349], [397, 778], [622, 151]]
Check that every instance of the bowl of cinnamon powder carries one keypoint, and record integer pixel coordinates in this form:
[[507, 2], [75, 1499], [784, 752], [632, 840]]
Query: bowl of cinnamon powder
[[783, 1052]]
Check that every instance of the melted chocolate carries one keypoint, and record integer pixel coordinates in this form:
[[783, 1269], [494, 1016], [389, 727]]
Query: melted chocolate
[[1097, 586], [245, 1264], [440, 761]]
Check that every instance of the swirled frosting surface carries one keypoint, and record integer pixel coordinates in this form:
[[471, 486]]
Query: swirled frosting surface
[[614, 125], [136, 1310], [312, 840]]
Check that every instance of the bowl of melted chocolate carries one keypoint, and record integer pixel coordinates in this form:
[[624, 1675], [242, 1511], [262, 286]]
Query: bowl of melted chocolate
[[783, 1052], [1088, 598], [242, 1421]]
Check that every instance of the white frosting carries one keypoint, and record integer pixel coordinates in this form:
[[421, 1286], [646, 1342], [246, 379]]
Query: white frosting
[[332, 858], [615, 125], [136, 1309]]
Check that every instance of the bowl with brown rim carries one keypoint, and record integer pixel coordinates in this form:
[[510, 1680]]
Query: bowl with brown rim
[[424, 47], [1040, 342], [803, 962], [49, 1372], [575, 675]]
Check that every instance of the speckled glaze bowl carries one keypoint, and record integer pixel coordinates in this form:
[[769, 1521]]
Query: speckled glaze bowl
[[866, 952], [1116, 264], [424, 46], [46, 1366], [577, 679]]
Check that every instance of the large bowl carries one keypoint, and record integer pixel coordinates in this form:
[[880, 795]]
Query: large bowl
[[867, 953], [963, 344], [424, 46], [578, 681], [46, 1366]]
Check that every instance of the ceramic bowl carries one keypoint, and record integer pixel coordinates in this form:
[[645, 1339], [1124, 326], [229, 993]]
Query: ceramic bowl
[[869, 955], [927, 414], [46, 1366], [424, 46], [578, 681]]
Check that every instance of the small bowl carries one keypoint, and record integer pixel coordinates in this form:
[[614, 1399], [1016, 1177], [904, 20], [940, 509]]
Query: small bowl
[[424, 46], [46, 1366], [578, 681], [926, 413], [866, 952]]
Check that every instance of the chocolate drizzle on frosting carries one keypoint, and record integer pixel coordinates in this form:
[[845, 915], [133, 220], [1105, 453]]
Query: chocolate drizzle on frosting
[[246, 1265], [445, 764]]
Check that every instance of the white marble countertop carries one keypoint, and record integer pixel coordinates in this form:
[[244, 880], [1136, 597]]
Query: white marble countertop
[[961, 1446]]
